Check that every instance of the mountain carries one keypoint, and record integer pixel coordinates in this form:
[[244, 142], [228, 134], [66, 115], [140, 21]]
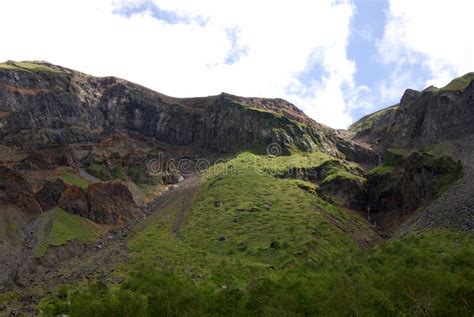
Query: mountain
[[115, 199], [439, 122]]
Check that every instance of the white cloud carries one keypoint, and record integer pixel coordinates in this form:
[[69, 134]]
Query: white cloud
[[278, 37], [434, 36]]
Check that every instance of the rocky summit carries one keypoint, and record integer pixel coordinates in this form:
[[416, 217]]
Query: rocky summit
[[121, 201]]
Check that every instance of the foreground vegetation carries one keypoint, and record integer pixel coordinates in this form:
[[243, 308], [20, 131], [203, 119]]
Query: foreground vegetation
[[427, 274]]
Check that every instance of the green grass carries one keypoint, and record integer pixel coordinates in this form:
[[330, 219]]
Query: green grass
[[268, 224], [118, 173], [367, 121], [279, 164], [423, 274], [459, 83], [382, 169], [99, 170], [343, 174], [27, 66], [13, 233], [67, 227], [72, 179]]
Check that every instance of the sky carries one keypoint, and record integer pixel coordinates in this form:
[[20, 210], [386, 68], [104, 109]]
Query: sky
[[335, 59]]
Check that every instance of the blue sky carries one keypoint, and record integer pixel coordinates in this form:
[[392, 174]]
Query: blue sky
[[335, 59], [367, 26]]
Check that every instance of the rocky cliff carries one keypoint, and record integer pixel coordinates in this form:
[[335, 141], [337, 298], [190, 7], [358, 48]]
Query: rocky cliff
[[422, 118], [44, 104], [83, 160], [438, 121]]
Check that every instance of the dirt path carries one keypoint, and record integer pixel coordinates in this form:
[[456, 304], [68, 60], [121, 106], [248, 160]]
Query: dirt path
[[187, 197]]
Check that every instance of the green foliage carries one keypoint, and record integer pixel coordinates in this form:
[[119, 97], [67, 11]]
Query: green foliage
[[424, 274], [118, 173], [382, 169], [342, 174], [99, 170], [67, 227], [136, 172], [393, 157], [139, 174], [72, 179]]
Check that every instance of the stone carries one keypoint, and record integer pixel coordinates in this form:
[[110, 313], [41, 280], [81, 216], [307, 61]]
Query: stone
[[14, 189], [74, 200], [111, 203], [49, 195]]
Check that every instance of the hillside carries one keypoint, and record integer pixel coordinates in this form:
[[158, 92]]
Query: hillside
[[118, 200]]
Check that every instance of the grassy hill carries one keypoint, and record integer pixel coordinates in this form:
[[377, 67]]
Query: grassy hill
[[241, 242]]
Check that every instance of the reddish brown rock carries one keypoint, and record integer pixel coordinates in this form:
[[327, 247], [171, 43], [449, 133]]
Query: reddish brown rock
[[14, 189], [49, 157], [111, 203], [74, 200]]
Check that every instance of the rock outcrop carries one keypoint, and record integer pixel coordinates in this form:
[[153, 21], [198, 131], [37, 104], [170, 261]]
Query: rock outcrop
[[15, 190], [103, 202], [409, 182], [421, 119], [49, 195], [74, 200], [111, 203], [62, 106], [346, 190]]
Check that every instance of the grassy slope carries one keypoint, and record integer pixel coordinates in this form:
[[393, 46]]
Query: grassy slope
[[72, 179], [27, 66], [367, 121], [268, 224], [67, 227], [459, 83]]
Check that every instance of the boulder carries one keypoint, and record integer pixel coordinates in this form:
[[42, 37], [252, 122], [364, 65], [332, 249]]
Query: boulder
[[344, 189], [74, 200], [111, 203], [49, 195], [14, 189]]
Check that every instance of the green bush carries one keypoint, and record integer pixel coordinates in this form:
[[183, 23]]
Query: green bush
[[428, 274]]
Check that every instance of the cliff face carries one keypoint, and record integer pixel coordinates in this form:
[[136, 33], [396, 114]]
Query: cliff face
[[421, 118], [435, 121], [60, 106], [57, 123], [107, 129]]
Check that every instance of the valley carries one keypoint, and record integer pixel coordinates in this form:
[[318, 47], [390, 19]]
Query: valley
[[116, 200]]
